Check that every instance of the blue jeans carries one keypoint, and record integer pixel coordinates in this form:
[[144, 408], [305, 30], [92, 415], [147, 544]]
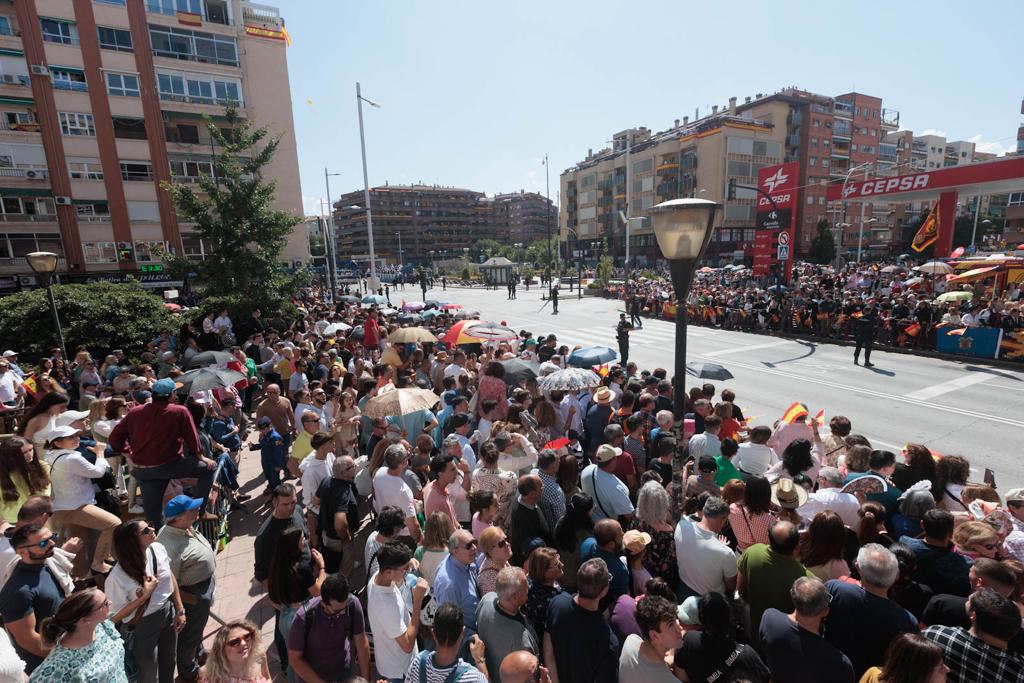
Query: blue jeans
[[284, 625], [270, 466], [228, 472], [153, 481]]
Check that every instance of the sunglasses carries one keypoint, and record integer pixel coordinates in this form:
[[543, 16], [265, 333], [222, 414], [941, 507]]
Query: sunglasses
[[503, 543], [235, 642], [43, 544], [148, 530], [471, 544]]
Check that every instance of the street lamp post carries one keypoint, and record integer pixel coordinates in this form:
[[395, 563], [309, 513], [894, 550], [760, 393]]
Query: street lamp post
[[332, 264], [401, 259], [366, 191], [44, 265], [682, 228]]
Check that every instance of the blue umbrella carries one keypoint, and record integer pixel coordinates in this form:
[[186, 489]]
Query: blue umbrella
[[430, 313], [374, 299], [592, 355], [778, 288]]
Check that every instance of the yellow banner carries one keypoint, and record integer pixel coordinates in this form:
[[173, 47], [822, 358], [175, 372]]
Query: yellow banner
[[929, 231]]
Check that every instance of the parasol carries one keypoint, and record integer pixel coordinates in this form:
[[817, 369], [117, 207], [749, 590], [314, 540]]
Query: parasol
[[334, 328], [708, 371], [374, 299], [518, 370], [205, 358], [460, 333], [206, 379], [397, 402], [413, 306], [482, 329], [451, 307], [894, 269], [935, 268], [408, 335], [570, 379], [591, 355], [467, 313], [349, 299], [430, 313], [955, 296]]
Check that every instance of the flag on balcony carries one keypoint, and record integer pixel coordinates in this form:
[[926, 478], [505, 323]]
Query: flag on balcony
[[929, 231], [189, 18]]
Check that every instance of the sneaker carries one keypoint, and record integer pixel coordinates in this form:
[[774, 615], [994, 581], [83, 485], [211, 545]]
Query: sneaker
[[136, 510]]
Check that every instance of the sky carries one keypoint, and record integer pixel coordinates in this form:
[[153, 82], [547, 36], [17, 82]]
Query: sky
[[474, 94]]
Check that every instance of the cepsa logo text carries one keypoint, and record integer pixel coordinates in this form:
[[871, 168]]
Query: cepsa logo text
[[779, 199], [887, 185]]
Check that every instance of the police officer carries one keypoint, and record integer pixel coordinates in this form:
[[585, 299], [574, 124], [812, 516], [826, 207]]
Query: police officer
[[622, 331], [554, 299], [865, 329], [634, 311]]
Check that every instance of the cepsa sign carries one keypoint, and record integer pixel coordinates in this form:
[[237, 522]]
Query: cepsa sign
[[781, 183]]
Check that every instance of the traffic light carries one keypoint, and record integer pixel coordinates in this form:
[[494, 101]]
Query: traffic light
[[731, 194]]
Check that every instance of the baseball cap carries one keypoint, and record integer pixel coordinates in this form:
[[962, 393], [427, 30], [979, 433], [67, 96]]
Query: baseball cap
[[164, 387], [607, 452], [1014, 496], [10, 354], [142, 396], [263, 422], [69, 416], [59, 432], [179, 504]]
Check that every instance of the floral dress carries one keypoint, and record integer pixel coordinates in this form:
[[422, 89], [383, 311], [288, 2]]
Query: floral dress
[[102, 661], [660, 558], [536, 609]]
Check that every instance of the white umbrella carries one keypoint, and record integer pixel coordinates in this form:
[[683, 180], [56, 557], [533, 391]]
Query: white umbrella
[[400, 402], [334, 328], [935, 268]]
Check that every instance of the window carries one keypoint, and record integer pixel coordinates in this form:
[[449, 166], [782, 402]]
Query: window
[[810, 201], [96, 208], [190, 171], [200, 92], [5, 26], [115, 39], [11, 205], [18, 245], [129, 129], [814, 161], [136, 170], [68, 79], [20, 120], [72, 123], [123, 85], [643, 166], [85, 169], [172, 7], [119, 3], [194, 46], [150, 252], [226, 91], [188, 134], [57, 31], [172, 87], [100, 252], [143, 211], [814, 142], [824, 163]]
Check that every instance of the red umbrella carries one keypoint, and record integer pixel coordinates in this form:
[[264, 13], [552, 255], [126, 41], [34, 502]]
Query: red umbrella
[[172, 307], [557, 443], [451, 307]]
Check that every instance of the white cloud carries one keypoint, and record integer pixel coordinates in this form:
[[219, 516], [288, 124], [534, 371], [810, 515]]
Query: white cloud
[[932, 131], [990, 147], [311, 205]]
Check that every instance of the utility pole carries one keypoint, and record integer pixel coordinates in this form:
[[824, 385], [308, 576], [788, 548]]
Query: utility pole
[[329, 241], [547, 196], [366, 188]]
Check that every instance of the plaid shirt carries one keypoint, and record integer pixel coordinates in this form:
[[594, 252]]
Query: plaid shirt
[[552, 499], [1014, 543], [971, 660]]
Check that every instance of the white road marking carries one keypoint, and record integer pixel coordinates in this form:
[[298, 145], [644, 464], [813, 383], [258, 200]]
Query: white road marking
[[1004, 386], [743, 349], [952, 385]]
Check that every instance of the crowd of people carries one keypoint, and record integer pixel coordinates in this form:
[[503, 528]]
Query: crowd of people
[[826, 302], [486, 527]]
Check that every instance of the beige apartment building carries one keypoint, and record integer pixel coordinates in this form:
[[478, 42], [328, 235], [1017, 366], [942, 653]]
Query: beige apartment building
[[691, 159], [103, 100]]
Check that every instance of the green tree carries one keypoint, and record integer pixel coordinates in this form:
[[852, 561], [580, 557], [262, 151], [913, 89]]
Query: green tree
[[233, 210], [485, 248], [542, 252], [823, 246], [604, 265], [101, 316]]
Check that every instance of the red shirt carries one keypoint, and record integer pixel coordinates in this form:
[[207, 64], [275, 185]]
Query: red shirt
[[155, 433], [371, 333]]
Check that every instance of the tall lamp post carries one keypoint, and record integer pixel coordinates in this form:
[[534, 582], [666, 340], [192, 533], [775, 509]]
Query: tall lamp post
[[332, 263], [683, 228], [372, 284], [401, 259], [44, 265]]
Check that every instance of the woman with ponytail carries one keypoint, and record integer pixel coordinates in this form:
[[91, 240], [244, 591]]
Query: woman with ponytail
[[86, 645]]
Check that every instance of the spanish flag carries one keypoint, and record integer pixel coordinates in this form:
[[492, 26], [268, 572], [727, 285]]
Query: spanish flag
[[795, 412], [820, 418], [929, 231], [913, 329], [30, 385]]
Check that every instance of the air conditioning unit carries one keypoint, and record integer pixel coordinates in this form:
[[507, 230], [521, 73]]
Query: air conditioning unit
[[61, 200], [39, 70], [297, 263], [35, 174]]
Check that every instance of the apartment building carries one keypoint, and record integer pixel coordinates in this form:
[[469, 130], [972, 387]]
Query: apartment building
[[522, 217], [417, 223], [102, 101], [642, 168]]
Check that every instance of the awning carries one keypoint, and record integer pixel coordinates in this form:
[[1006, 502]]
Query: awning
[[69, 69], [190, 115], [11, 53], [23, 101], [975, 274], [25, 192]]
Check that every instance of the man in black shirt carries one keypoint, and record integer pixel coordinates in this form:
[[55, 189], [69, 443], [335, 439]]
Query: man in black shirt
[[951, 610], [865, 329], [545, 352], [576, 626], [622, 331], [339, 516], [554, 299]]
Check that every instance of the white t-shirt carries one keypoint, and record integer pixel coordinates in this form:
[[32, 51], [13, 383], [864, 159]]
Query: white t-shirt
[[71, 477], [313, 472], [754, 458], [120, 588], [845, 505], [611, 492], [704, 561], [9, 387], [390, 615], [389, 490]]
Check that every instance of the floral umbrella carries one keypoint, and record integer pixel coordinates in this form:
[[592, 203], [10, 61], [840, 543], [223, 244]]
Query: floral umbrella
[[570, 379]]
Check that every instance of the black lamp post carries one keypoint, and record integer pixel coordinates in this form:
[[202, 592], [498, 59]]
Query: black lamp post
[[44, 265], [683, 228]]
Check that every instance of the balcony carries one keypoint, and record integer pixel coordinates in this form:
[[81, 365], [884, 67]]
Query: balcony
[[840, 153], [74, 86], [890, 119], [842, 130], [14, 79], [24, 173], [28, 127], [28, 218], [667, 169], [211, 11], [795, 118], [842, 109], [263, 16]]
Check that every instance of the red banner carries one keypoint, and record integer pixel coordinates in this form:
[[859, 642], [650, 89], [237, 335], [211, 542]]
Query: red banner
[[774, 240], [989, 177]]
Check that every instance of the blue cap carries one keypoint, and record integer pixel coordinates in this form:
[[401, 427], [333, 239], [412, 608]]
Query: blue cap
[[163, 387], [141, 396], [179, 504]]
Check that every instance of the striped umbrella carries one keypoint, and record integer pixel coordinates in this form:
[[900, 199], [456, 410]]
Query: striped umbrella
[[475, 332]]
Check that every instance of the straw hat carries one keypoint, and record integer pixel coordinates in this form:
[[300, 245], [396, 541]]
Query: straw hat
[[635, 541], [788, 495], [603, 396]]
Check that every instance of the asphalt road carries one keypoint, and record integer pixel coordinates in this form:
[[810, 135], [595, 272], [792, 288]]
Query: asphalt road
[[957, 407]]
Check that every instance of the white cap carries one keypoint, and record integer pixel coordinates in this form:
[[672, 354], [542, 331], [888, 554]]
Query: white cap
[[59, 432], [69, 416], [8, 353]]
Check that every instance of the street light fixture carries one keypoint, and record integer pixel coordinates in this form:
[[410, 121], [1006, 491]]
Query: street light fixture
[[44, 265], [683, 228]]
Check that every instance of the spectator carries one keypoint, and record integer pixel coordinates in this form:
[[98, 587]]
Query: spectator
[[664, 451], [821, 549], [712, 653], [705, 563], [22, 475], [653, 508], [155, 621], [296, 573], [863, 620], [834, 443], [767, 572], [434, 549], [755, 456], [976, 539], [545, 570], [552, 498], [86, 645], [829, 496], [444, 664], [390, 521], [643, 657], [523, 667], [389, 489], [981, 652], [751, 519], [444, 472], [278, 410], [339, 515], [938, 566], [918, 465], [394, 617], [32, 593], [575, 625], [157, 432], [1014, 542], [912, 506], [704, 480], [726, 466], [489, 477], [316, 468], [237, 655], [793, 643], [911, 658], [327, 639], [501, 623], [610, 495], [497, 551], [951, 610], [455, 580], [273, 453], [707, 443], [526, 521], [606, 545], [193, 564]]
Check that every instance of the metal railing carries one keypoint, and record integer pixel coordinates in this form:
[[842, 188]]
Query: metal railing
[[28, 218], [60, 84]]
